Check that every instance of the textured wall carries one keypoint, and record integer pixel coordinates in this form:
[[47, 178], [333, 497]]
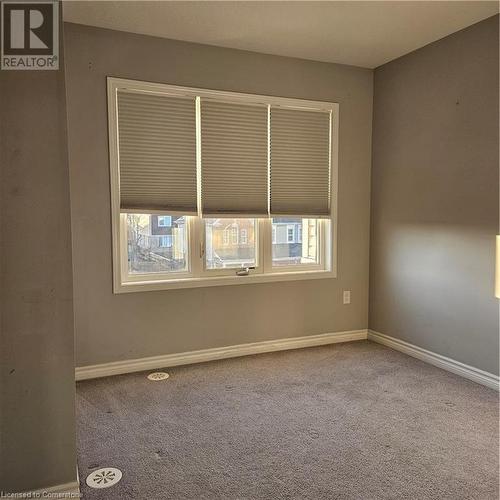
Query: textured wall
[[37, 388], [435, 197], [116, 327]]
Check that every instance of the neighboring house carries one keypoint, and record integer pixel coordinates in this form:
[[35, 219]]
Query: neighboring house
[[164, 227], [294, 241], [230, 243], [287, 239]]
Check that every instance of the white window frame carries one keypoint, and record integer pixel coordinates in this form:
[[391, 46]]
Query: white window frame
[[196, 275]]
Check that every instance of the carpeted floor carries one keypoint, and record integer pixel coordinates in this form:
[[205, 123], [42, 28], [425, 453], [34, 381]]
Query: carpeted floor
[[347, 421]]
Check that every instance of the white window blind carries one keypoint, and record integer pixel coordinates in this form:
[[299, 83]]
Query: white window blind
[[300, 162], [234, 159], [157, 152]]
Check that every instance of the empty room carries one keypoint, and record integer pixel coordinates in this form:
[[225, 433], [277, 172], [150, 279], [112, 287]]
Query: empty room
[[249, 250]]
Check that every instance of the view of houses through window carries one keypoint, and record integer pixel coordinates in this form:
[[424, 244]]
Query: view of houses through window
[[295, 241], [156, 243], [159, 243]]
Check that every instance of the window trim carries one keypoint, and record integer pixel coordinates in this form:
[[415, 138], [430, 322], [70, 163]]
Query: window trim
[[194, 277]]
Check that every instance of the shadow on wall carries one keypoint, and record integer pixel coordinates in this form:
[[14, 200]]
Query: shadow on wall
[[437, 278]]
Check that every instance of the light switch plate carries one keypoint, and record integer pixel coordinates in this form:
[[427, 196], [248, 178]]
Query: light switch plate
[[347, 296]]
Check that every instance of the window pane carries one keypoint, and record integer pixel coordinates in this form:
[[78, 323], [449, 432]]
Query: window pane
[[295, 241], [230, 243], [156, 243], [164, 220]]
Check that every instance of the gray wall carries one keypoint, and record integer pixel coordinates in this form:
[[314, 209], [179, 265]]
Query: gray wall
[[116, 327], [435, 197], [37, 388]]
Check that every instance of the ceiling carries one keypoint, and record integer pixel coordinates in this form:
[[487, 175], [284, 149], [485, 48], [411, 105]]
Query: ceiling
[[361, 33]]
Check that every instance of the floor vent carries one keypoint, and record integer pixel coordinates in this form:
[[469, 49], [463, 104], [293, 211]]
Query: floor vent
[[104, 478], [158, 376]]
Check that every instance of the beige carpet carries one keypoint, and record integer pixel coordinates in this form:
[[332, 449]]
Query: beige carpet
[[347, 421]]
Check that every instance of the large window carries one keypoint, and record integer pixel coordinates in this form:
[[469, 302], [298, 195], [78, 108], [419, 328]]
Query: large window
[[212, 188]]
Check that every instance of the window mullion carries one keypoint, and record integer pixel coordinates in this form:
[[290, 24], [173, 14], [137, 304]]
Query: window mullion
[[196, 248], [197, 253], [265, 225], [266, 245], [122, 222]]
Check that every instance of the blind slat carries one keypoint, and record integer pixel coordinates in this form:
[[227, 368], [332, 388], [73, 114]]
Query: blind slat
[[157, 143], [233, 158], [300, 162]]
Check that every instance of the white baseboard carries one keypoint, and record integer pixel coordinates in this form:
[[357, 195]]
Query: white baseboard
[[187, 358], [67, 490], [466, 371]]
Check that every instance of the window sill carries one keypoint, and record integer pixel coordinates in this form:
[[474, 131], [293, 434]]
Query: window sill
[[171, 284]]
